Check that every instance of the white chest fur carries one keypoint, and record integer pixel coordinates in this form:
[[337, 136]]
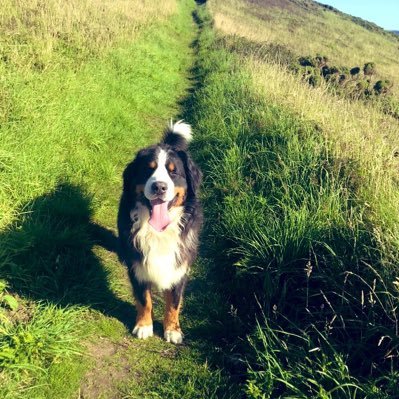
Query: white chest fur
[[161, 263]]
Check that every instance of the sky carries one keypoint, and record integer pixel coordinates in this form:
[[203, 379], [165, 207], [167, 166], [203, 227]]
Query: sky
[[384, 13]]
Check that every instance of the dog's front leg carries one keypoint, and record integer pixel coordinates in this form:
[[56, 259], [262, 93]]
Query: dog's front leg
[[173, 302], [143, 328]]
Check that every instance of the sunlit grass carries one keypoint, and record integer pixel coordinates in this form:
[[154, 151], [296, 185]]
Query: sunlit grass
[[68, 127], [303, 226], [44, 35], [309, 31]]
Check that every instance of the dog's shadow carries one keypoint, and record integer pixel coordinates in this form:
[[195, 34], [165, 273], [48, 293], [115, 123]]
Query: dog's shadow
[[47, 254]]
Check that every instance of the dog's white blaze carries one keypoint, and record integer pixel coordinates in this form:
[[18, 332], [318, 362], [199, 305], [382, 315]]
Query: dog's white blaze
[[160, 175], [161, 250]]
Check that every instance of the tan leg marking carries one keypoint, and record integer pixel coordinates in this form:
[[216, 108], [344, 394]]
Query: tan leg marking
[[171, 325], [144, 313], [143, 328]]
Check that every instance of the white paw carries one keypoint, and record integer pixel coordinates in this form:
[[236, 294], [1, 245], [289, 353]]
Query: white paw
[[176, 337], [143, 332]]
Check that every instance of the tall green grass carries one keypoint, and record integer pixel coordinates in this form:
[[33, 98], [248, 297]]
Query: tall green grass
[[297, 241], [68, 129]]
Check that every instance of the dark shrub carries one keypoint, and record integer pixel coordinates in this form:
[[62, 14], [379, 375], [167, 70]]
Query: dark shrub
[[342, 79], [355, 71], [307, 61], [369, 68], [334, 70], [382, 86], [333, 75], [325, 70]]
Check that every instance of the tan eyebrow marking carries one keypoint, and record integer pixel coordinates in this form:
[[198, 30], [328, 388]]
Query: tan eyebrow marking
[[171, 166], [152, 164]]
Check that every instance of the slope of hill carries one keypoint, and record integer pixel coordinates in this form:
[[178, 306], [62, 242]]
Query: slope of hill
[[307, 206], [307, 28], [296, 291], [371, 26]]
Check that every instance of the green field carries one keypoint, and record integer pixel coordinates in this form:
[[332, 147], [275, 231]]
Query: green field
[[296, 290]]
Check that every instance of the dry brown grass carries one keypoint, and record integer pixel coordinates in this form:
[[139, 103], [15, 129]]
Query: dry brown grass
[[352, 130], [350, 121], [308, 32]]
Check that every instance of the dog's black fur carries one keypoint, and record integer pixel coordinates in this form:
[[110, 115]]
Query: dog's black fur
[[187, 177]]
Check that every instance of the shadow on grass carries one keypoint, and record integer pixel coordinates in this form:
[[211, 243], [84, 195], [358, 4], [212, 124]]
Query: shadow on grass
[[210, 325], [47, 254]]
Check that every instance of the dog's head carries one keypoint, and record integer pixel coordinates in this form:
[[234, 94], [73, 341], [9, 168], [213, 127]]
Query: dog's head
[[163, 176]]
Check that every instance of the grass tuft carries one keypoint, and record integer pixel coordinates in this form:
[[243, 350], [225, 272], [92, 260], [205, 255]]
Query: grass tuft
[[34, 340]]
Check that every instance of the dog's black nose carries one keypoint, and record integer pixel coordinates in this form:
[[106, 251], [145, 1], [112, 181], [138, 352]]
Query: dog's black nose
[[159, 187]]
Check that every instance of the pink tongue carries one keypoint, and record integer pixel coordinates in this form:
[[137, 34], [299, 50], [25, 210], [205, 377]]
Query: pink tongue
[[159, 215]]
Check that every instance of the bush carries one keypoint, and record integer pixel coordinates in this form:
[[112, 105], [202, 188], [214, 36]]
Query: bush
[[307, 61], [331, 74], [315, 79], [314, 69], [382, 87], [362, 87], [342, 79], [334, 70], [369, 69], [355, 71]]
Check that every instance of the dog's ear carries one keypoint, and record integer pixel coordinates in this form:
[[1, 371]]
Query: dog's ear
[[193, 175]]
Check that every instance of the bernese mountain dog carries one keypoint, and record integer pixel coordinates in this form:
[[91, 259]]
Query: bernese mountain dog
[[159, 221]]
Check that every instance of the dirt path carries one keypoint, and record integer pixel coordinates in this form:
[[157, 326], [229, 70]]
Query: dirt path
[[125, 367]]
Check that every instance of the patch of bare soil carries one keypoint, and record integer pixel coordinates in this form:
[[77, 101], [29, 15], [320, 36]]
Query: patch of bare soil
[[110, 368]]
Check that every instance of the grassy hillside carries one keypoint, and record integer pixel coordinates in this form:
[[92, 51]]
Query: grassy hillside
[[303, 186], [307, 28]]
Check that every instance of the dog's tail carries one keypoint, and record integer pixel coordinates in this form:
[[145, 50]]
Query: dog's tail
[[178, 135]]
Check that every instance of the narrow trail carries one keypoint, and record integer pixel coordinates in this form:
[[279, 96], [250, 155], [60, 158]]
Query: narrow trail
[[123, 366]]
